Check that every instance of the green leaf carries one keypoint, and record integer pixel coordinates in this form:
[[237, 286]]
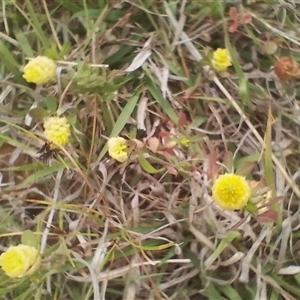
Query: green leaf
[[244, 168], [147, 167], [69, 5], [115, 15], [51, 103], [52, 53], [123, 118], [10, 63], [244, 90], [23, 41], [212, 292], [117, 57], [164, 104], [32, 18], [231, 235], [72, 119], [229, 292], [43, 173], [38, 113], [30, 239], [66, 48]]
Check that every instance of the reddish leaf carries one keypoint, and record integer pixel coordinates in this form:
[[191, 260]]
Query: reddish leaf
[[245, 168], [172, 171], [169, 143], [182, 120], [233, 13], [269, 216], [228, 160], [168, 151], [239, 223], [246, 19], [257, 186], [233, 27], [213, 168], [274, 200], [171, 123], [153, 144], [168, 156], [164, 134], [138, 143]]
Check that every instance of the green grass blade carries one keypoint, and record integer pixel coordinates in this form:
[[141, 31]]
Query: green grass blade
[[123, 118]]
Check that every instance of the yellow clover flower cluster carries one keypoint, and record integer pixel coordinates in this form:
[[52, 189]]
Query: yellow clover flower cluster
[[117, 147], [231, 192], [221, 60], [19, 261], [57, 130], [40, 70]]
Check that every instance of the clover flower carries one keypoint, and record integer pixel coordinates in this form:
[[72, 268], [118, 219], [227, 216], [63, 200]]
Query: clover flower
[[221, 60], [117, 147], [231, 191], [40, 70], [57, 129], [19, 261]]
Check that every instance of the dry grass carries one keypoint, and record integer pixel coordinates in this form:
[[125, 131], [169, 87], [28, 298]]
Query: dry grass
[[147, 229]]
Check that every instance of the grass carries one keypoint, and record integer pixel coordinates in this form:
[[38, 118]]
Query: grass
[[147, 229]]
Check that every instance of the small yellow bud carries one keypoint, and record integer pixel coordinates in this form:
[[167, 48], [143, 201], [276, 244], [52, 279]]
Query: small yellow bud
[[19, 261], [40, 70], [184, 142], [221, 60], [117, 147], [231, 191], [57, 129]]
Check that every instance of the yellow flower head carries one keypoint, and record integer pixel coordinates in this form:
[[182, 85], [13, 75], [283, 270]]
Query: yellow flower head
[[57, 129], [221, 60], [40, 70], [19, 261], [231, 191], [117, 147]]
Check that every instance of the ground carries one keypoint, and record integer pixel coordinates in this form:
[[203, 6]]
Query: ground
[[148, 227]]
